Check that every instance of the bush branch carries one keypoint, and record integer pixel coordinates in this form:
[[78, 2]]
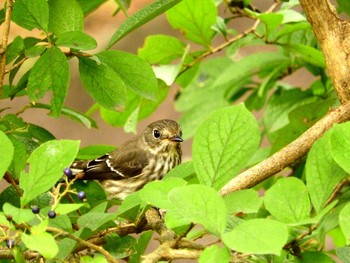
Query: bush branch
[[100, 249], [333, 35], [289, 154], [4, 41]]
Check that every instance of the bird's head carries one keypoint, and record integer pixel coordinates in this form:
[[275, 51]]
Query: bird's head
[[163, 134]]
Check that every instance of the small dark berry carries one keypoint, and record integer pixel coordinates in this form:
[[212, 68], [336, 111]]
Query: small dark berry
[[51, 214], [35, 209], [10, 243], [81, 195], [68, 172]]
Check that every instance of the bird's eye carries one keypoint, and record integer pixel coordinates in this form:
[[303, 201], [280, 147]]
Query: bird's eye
[[156, 134]]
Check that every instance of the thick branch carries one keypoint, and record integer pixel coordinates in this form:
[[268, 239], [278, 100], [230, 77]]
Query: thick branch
[[4, 41], [333, 35], [289, 154]]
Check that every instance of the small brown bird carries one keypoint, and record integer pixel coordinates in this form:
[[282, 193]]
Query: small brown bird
[[138, 161]]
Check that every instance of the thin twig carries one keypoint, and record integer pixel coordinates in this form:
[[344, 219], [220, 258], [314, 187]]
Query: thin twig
[[8, 177], [228, 42], [4, 41], [104, 252], [336, 191]]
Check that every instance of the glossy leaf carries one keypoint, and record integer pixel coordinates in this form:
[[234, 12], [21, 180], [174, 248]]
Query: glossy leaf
[[46, 167], [223, 144], [141, 17]]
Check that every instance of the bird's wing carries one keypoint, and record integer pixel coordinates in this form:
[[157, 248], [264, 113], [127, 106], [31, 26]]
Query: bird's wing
[[117, 165]]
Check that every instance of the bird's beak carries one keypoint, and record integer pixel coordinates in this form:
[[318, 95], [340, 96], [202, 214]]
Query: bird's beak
[[176, 139]]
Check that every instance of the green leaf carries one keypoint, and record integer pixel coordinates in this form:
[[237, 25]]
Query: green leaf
[[195, 19], [141, 246], [136, 73], [200, 204], [31, 14], [185, 171], [161, 49], [94, 151], [156, 193], [344, 222], [340, 145], [343, 6], [315, 256], [343, 253], [89, 6], [76, 40], [51, 71], [19, 215], [214, 253], [35, 51], [94, 220], [6, 151], [281, 104], [62, 222], [218, 156], [243, 201], [271, 21], [44, 243], [120, 247], [72, 114], [9, 195], [67, 208], [102, 83], [193, 100], [140, 18], [288, 201], [131, 207], [46, 167], [65, 15], [257, 236], [308, 54], [323, 174], [14, 49], [291, 16], [135, 103]]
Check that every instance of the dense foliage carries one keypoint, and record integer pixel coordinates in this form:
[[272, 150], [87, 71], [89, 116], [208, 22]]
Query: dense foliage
[[45, 215]]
